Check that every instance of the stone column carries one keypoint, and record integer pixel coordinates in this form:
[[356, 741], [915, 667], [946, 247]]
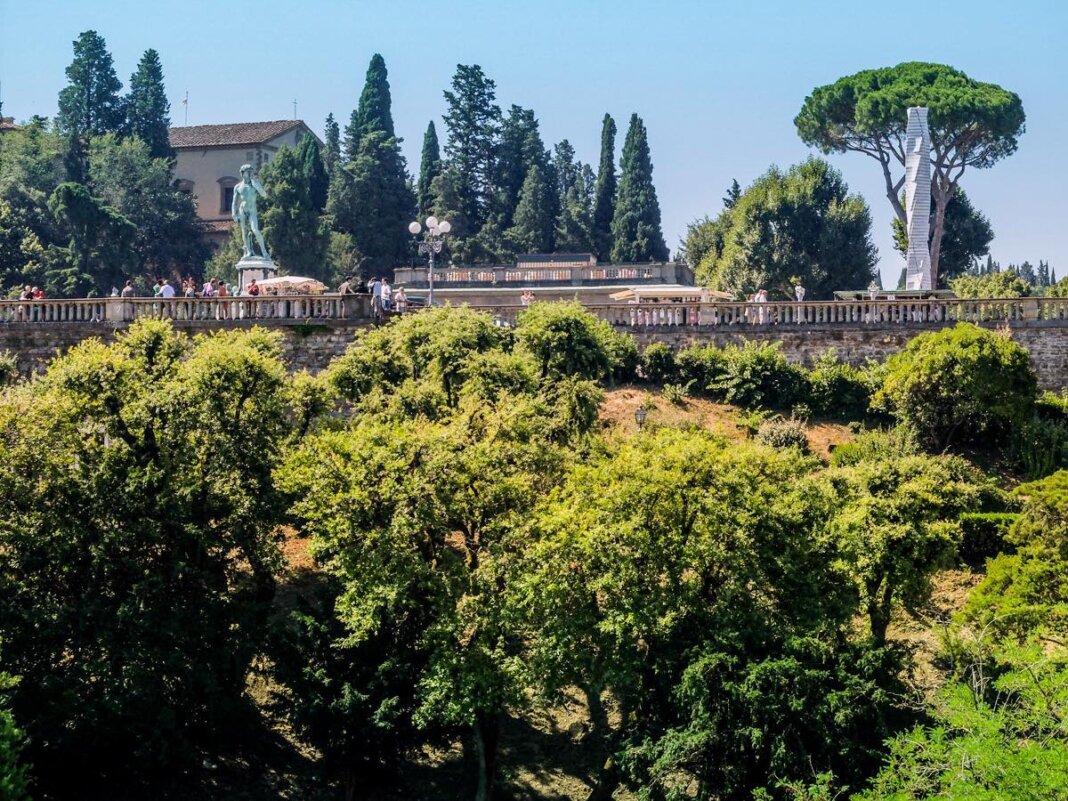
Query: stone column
[[918, 199]]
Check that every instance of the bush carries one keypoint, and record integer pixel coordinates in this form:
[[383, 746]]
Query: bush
[[565, 339], [1051, 406], [676, 393], [757, 374], [1040, 447], [781, 432], [876, 446], [836, 389], [658, 364], [622, 353], [983, 536], [701, 367], [992, 285], [958, 384]]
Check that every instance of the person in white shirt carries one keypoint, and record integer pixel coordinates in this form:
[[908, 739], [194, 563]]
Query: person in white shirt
[[166, 291], [387, 294]]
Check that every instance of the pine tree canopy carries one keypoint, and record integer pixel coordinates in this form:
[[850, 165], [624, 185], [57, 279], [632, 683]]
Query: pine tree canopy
[[534, 225], [374, 113], [472, 122], [291, 224], [636, 233], [331, 144], [147, 107]]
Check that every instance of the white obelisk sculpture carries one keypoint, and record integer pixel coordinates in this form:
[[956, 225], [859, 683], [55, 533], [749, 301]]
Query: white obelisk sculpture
[[918, 199]]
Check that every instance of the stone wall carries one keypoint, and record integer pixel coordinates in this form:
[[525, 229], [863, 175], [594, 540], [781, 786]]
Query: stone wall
[[1046, 342], [312, 346]]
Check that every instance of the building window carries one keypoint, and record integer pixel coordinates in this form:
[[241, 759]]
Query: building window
[[226, 194]]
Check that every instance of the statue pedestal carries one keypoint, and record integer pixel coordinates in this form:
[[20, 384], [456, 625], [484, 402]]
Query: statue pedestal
[[253, 267]]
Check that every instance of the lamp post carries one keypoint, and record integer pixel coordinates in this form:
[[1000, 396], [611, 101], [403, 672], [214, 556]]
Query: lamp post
[[431, 244]]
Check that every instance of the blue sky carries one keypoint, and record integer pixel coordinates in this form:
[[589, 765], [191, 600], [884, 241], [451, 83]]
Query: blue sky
[[717, 83]]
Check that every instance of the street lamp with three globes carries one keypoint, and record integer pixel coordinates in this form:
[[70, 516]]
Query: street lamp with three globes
[[431, 245]]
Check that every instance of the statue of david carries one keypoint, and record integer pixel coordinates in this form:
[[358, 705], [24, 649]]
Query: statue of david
[[244, 212]]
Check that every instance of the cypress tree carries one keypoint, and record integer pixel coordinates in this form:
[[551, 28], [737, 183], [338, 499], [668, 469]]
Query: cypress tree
[[314, 171], [472, 122], [429, 169], [371, 198], [374, 112], [733, 193], [566, 169], [574, 223], [534, 219], [604, 194], [636, 233], [147, 108], [331, 145], [518, 147], [291, 225]]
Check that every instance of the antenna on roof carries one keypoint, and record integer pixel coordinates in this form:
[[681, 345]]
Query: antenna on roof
[[185, 103], [294, 108]]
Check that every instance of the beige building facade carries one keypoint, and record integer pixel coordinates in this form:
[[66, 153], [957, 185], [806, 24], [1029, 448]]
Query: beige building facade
[[208, 161]]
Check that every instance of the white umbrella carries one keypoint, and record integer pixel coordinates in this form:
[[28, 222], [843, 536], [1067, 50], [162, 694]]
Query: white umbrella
[[294, 284]]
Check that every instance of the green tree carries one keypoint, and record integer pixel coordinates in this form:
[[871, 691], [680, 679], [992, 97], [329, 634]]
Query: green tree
[[674, 580], [993, 736], [99, 254], [371, 201], [574, 224], [958, 383], [137, 547], [429, 169], [291, 223], [604, 195], [473, 122], [799, 224], [972, 124], [315, 174], [991, 285], [166, 231], [896, 524], [90, 104], [566, 340], [534, 223], [147, 107], [519, 148], [374, 112], [636, 234], [966, 238], [734, 192], [331, 146]]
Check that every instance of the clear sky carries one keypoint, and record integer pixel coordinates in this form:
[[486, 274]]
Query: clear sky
[[717, 83]]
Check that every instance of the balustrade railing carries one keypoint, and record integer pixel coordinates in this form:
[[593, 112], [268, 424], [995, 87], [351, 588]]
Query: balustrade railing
[[292, 309]]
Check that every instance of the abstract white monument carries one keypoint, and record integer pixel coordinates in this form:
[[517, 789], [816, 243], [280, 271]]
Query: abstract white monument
[[918, 199]]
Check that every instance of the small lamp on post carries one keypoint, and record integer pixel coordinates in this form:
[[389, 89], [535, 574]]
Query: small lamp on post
[[639, 416], [431, 244]]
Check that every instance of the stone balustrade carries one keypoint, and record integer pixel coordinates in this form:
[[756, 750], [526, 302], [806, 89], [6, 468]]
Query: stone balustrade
[[278, 309], [296, 309], [822, 313]]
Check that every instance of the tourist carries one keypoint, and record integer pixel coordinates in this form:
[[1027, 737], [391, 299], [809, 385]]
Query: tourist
[[799, 292], [157, 287], [762, 313], [208, 291], [345, 288], [222, 311], [361, 287], [128, 290], [166, 291], [376, 297], [253, 288], [387, 294], [400, 300], [190, 288], [38, 294], [526, 298]]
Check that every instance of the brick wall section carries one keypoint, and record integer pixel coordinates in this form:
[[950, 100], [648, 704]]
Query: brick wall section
[[312, 347]]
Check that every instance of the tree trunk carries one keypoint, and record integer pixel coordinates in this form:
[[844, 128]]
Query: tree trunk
[[598, 714], [607, 782], [941, 199], [350, 785], [487, 729], [608, 776], [879, 608]]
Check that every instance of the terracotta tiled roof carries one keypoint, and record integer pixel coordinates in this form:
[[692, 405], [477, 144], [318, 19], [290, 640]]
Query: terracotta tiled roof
[[215, 226], [234, 134], [8, 124]]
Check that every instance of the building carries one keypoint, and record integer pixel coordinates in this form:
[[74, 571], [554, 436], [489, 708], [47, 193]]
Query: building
[[209, 158]]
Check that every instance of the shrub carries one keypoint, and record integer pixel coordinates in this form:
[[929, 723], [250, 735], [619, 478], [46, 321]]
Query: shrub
[[676, 393], [658, 364], [958, 384], [836, 389], [701, 367], [1051, 406], [781, 432], [622, 353], [876, 446], [1040, 447], [758, 374], [565, 339], [992, 285]]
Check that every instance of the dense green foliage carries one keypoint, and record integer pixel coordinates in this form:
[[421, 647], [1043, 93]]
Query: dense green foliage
[[992, 285], [295, 236], [147, 107], [958, 384], [799, 225], [429, 169]]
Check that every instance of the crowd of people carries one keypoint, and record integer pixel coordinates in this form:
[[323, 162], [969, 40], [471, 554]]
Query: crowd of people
[[384, 298]]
